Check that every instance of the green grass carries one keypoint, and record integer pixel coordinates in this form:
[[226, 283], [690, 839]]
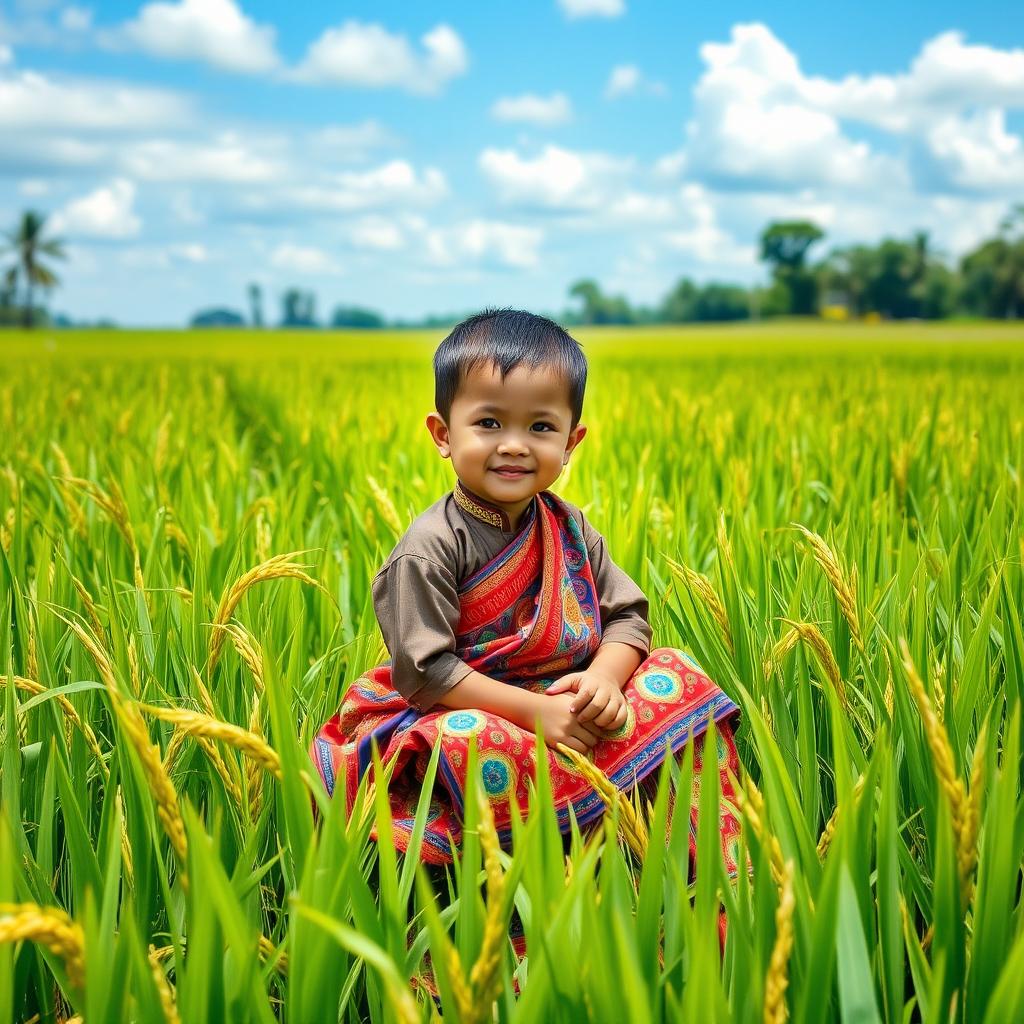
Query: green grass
[[901, 445]]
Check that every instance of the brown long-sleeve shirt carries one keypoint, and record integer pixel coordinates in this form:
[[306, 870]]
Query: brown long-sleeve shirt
[[416, 600]]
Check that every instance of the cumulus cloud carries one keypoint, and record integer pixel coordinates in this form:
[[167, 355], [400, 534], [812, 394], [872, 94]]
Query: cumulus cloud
[[555, 179], [303, 259], [369, 56], [753, 127], [540, 110], [629, 80], [105, 213], [702, 237], [216, 32], [377, 234], [592, 8], [37, 102], [76, 19], [228, 158], [760, 121], [394, 183]]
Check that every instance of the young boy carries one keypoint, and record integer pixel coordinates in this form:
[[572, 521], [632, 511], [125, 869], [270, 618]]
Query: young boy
[[501, 609]]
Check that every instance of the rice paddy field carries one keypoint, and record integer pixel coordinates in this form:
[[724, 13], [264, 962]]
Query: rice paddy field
[[829, 518]]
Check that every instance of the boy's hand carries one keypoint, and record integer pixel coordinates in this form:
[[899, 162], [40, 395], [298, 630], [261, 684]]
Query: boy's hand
[[598, 698]]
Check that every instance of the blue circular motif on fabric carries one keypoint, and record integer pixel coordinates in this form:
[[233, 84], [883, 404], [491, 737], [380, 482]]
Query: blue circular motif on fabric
[[495, 775], [660, 684], [462, 720]]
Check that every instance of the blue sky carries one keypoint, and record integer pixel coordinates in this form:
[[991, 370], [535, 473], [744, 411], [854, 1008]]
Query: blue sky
[[428, 158]]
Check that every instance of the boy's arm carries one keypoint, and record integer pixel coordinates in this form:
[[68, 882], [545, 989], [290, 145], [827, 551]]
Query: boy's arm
[[483, 693], [618, 661]]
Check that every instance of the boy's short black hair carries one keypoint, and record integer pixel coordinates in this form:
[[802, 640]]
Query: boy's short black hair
[[508, 338]]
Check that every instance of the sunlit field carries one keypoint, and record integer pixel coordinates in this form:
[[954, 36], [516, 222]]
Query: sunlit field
[[827, 517]]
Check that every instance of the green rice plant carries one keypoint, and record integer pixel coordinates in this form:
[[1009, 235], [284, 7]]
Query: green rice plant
[[829, 519]]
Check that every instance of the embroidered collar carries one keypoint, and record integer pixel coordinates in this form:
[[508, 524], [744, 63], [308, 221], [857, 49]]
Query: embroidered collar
[[483, 510]]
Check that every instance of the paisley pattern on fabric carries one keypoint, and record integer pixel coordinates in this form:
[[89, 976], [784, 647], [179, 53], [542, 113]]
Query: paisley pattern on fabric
[[528, 616]]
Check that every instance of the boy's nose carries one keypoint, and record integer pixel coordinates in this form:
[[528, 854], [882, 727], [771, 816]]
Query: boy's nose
[[511, 446]]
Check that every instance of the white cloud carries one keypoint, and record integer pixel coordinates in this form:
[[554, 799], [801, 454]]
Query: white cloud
[[752, 127], [191, 252], [539, 110], [106, 213], [976, 152], [226, 158], [485, 242], [592, 8], [352, 142], [216, 32], [396, 182], [628, 80], [378, 234], [369, 56], [33, 101], [555, 179], [76, 19], [33, 187], [623, 80], [702, 237], [303, 259]]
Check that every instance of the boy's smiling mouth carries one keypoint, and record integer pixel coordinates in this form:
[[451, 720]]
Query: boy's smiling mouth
[[511, 472]]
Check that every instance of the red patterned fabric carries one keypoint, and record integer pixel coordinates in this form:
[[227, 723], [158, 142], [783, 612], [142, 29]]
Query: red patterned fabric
[[528, 616]]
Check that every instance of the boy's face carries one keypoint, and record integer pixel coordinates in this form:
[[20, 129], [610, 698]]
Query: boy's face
[[508, 439]]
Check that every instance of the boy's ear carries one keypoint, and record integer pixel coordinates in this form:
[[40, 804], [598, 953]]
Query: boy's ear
[[575, 436], [439, 434]]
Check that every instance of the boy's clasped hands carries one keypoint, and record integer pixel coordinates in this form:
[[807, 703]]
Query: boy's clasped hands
[[581, 707]]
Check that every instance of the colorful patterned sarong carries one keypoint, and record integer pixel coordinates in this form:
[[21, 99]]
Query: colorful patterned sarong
[[528, 616]]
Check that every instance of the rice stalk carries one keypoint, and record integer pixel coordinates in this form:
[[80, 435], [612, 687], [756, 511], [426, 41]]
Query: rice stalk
[[631, 826], [199, 725], [830, 826], [248, 649], [50, 927], [777, 978], [964, 830], [385, 506], [277, 567], [72, 715], [485, 976], [699, 583], [844, 584], [75, 512], [813, 638], [131, 721], [114, 505], [751, 806], [163, 987]]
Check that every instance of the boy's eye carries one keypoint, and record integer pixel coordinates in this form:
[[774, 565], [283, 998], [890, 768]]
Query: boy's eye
[[487, 421], [544, 426]]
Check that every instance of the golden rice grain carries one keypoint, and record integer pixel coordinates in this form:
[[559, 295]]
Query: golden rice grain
[[702, 586], [485, 976], [131, 721], [72, 715], [278, 567], [777, 978], [163, 987], [844, 584], [50, 927], [946, 773], [196, 724], [812, 637], [631, 825], [830, 826]]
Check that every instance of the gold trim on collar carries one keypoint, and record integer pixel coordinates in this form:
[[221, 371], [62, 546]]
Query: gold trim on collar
[[480, 509]]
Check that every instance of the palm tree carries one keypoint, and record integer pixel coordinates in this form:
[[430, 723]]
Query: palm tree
[[29, 246]]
